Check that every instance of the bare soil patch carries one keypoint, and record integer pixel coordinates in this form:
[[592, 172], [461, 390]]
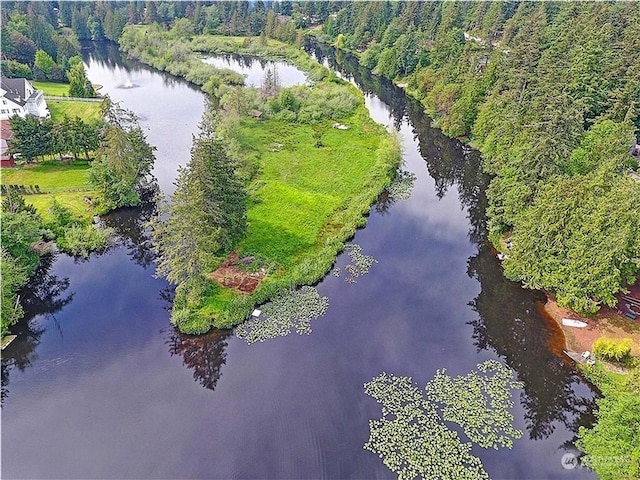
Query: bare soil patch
[[231, 274], [608, 322]]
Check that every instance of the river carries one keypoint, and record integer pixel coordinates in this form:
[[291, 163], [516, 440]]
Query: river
[[99, 385]]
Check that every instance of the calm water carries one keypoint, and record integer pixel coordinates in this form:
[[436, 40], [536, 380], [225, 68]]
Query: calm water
[[254, 69], [99, 385]]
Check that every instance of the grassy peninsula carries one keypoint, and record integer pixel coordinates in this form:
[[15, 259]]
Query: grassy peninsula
[[304, 204], [312, 162]]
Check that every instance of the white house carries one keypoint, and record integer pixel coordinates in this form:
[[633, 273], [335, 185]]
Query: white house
[[19, 97]]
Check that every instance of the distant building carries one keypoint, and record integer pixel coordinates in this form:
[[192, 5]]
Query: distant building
[[19, 97], [6, 159]]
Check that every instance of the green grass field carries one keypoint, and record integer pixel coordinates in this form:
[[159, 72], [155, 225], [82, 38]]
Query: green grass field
[[53, 88], [307, 201], [304, 185], [74, 201], [70, 108], [84, 110], [50, 177], [67, 183]]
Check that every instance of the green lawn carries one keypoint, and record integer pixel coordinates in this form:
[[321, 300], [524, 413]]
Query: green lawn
[[50, 177], [74, 201], [304, 185], [60, 108], [84, 110], [53, 88], [67, 183], [307, 201]]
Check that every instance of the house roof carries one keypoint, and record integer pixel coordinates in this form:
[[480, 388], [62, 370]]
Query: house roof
[[16, 89]]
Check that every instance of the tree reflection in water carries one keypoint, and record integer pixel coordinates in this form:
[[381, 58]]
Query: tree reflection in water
[[510, 321], [204, 354], [43, 295], [130, 226]]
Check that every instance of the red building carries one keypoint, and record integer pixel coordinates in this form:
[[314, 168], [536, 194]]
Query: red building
[[6, 159]]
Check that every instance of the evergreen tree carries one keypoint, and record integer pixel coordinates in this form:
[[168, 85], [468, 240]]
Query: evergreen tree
[[79, 84], [122, 169], [207, 213]]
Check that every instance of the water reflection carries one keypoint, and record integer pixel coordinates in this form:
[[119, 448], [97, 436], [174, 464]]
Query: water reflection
[[510, 320], [107, 56], [452, 163], [44, 294], [510, 324], [254, 69], [130, 226], [348, 66], [204, 354]]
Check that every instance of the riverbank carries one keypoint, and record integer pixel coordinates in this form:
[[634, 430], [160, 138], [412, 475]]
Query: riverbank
[[611, 447], [304, 203], [170, 52], [152, 46], [67, 183], [606, 323]]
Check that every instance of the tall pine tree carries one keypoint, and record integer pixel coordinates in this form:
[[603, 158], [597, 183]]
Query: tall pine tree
[[206, 215]]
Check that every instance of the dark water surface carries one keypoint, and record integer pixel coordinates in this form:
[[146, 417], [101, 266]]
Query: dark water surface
[[99, 385]]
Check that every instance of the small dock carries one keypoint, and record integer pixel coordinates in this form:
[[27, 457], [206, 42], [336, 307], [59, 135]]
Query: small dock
[[7, 340], [580, 358]]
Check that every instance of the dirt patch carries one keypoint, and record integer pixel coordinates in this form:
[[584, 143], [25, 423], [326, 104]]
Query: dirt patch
[[231, 275], [607, 322]]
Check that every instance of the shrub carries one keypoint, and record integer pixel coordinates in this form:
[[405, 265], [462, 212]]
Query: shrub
[[612, 349], [60, 214], [14, 69], [80, 240], [190, 322]]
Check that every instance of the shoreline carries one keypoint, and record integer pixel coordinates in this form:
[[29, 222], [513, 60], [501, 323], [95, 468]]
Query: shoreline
[[606, 323], [374, 155]]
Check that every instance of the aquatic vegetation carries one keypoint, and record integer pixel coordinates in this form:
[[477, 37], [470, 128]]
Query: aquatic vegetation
[[479, 402], [411, 439], [361, 263], [292, 310], [401, 186]]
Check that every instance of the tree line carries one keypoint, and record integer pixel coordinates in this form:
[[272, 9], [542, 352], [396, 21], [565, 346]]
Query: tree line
[[35, 46], [33, 137]]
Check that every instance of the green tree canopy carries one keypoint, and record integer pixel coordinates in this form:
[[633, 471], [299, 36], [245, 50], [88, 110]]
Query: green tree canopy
[[580, 238], [79, 84], [122, 169], [207, 213]]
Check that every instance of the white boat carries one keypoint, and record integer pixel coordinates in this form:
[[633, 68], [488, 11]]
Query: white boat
[[570, 322]]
